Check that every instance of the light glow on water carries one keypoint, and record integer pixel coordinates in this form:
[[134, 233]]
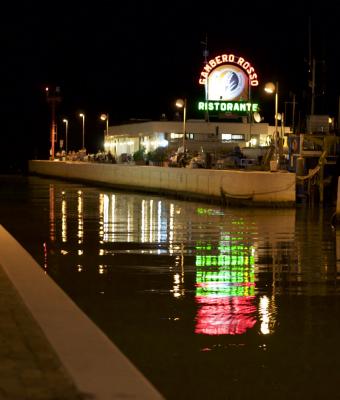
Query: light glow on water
[[225, 299]]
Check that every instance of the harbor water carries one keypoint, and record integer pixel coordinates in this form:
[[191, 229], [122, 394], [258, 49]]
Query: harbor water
[[209, 302]]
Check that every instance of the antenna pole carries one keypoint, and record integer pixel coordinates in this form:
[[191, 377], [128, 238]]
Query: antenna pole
[[53, 99], [205, 54]]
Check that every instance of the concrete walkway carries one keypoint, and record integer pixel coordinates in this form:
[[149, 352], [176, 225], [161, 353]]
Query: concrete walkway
[[50, 350], [29, 367]]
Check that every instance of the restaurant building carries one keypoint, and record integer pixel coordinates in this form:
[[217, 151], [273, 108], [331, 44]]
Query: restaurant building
[[229, 115], [200, 135]]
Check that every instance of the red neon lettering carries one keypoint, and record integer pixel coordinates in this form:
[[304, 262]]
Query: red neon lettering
[[246, 65], [207, 68], [240, 61], [231, 58]]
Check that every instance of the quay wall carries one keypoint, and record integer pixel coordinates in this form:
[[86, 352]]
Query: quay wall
[[264, 187]]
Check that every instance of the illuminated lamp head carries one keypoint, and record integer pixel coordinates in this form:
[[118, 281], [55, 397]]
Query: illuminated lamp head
[[270, 87]]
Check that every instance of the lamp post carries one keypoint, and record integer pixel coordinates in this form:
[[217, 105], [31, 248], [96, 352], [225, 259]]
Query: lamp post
[[105, 117], [270, 87], [66, 132], [180, 103], [83, 117]]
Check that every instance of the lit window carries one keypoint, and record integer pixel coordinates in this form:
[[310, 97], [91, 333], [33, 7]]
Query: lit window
[[226, 137]]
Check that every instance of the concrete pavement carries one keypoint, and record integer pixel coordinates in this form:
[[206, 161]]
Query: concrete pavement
[[50, 350], [29, 367]]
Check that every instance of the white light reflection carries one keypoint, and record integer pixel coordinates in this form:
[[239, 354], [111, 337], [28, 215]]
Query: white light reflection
[[143, 222], [177, 288], [267, 314], [101, 217], [105, 217], [159, 221], [80, 218], [171, 228], [52, 214], [102, 269], [63, 220], [112, 219], [150, 221], [129, 222]]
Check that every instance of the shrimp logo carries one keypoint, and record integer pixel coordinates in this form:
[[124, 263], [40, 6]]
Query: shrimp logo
[[227, 82]]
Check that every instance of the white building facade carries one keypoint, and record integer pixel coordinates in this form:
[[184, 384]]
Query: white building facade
[[200, 136]]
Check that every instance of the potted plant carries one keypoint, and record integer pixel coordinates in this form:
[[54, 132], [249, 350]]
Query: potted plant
[[158, 156], [139, 156]]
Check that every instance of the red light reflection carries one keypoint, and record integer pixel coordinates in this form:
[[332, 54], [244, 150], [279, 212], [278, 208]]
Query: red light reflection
[[227, 315]]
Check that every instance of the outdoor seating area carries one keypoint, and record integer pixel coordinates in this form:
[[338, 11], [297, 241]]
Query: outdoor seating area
[[235, 159]]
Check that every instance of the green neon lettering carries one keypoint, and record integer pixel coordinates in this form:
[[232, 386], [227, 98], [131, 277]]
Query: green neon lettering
[[227, 106]]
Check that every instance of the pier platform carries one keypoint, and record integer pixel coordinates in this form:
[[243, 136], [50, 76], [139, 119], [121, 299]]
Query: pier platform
[[265, 188], [50, 350]]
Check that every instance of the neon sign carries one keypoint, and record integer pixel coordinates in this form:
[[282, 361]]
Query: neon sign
[[229, 59], [228, 106]]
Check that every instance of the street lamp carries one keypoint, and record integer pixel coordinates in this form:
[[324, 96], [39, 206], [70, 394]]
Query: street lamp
[[180, 103], [66, 132], [83, 116], [105, 117], [271, 88]]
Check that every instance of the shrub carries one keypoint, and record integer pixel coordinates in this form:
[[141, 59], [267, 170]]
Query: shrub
[[139, 155], [158, 155]]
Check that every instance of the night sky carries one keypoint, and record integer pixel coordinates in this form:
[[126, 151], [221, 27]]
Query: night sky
[[133, 59]]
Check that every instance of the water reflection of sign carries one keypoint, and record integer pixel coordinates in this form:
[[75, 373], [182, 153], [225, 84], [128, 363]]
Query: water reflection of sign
[[225, 290], [225, 315]]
